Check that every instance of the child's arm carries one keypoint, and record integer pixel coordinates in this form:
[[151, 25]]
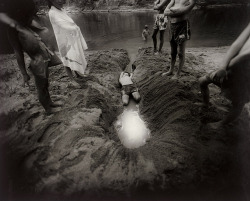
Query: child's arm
[[236, 47], [161, 5], [121, 75], [239, 58], [183, 9], [232, 56], [167, 11], [5, 19]]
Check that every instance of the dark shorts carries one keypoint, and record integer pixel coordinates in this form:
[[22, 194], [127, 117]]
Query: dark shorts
[[237, 86], [179, 32], [129, 89]]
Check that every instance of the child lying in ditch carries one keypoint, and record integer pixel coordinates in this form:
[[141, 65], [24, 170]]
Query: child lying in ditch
[[232, 77], [128, 87]]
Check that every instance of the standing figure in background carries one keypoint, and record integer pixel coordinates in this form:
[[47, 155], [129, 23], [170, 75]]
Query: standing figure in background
[[160, 24], [70, 41], [128, 87], [177, 12], [18, 16], [145, 33], [232, 77]]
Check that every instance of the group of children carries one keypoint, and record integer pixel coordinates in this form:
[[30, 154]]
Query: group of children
[[25, 36], [234, 74]]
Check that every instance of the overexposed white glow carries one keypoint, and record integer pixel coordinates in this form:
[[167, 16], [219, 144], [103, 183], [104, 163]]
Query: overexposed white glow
[[132, 130]]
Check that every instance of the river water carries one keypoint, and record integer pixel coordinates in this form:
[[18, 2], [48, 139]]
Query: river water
[[106, 30]]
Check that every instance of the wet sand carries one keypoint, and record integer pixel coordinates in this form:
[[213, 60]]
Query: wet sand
[[76, 154]]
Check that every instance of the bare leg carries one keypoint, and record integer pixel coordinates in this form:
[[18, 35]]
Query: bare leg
[[161, 39], [181, 54], [136, 96], [42, 85], [125, 99], [204, 82], [154, 37], [173, 57], [14, 41]]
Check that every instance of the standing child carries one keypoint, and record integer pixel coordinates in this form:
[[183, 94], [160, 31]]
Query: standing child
[[177, 12], [70, 41], [160, 24], [145, 33]]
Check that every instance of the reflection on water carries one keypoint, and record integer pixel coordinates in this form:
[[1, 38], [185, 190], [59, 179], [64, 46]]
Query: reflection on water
[[131, 128]]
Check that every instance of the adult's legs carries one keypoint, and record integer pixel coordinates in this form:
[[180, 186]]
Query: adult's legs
[[161, 39], [154, 37], [42, 85], [174, 46], [15, 43], [181, 54]]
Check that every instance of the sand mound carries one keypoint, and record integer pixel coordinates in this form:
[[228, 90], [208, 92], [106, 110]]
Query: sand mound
[[76, 153]]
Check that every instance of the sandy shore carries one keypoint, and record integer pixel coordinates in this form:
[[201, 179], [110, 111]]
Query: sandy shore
[[75, 154]]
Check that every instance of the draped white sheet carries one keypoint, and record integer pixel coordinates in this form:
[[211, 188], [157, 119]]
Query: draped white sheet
[[70, 41]]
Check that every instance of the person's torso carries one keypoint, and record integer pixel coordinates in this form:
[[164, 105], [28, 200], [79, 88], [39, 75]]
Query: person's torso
[[177, 5], [125, 80]]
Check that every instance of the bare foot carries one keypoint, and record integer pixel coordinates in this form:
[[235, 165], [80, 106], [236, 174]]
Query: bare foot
[[167, 73]]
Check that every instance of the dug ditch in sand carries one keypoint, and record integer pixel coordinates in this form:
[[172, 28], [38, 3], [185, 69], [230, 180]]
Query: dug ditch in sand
[[131, 128], [57, 157]]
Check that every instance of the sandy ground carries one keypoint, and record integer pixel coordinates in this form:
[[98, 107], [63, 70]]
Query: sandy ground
[[75, 154]]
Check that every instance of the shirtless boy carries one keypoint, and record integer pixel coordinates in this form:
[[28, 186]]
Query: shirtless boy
[[160, 24], [177, 12], [232, 77], [128, 87]]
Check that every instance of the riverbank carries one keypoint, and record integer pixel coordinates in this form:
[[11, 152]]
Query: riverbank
[[76, 9], [75, 154]]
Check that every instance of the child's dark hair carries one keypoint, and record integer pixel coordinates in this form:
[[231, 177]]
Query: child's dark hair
[[127, 72], [49, 3]]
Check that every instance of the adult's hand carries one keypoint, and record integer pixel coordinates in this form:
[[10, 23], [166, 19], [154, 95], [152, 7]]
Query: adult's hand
[[220, 75], [167, 12]]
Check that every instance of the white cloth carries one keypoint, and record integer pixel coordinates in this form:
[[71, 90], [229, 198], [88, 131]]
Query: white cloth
[[70, 41], [125, 79]]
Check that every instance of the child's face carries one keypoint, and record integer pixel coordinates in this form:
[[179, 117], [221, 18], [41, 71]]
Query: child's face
[[58, 3]]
